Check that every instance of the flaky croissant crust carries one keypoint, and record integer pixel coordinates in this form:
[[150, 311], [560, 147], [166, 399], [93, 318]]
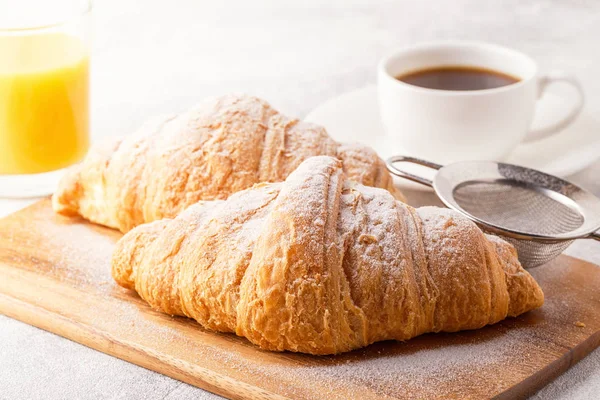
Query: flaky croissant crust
[[319, 264], [219, 147]]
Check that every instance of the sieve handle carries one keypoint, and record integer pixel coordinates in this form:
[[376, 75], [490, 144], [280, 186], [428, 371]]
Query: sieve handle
[[407, 175], [595, 235]]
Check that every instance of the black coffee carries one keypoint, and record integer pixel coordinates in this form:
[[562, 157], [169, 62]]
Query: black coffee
[[458, 78]]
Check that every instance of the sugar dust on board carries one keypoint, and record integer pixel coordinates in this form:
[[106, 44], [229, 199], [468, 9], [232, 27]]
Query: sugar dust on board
[[44, 110]]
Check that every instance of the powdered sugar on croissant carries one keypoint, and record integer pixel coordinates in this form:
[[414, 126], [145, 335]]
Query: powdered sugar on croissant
[[219, 147], [320, 264]]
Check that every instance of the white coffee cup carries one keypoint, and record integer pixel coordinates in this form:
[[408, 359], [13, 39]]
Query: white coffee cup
[[449, 125]]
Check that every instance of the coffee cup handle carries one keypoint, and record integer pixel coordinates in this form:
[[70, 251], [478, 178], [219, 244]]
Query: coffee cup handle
[[545, 81]]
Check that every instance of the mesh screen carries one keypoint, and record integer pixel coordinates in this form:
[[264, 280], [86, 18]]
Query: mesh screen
[[516, 206]]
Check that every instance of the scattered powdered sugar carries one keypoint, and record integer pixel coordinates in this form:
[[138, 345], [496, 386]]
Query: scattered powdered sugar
[[432, 366], [132, 318], [60, 248], [69, 262]]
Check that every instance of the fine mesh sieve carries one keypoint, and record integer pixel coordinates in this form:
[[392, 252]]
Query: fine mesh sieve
[[540, 214]]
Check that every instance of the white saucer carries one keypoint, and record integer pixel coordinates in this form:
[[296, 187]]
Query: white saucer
[[354, 117]]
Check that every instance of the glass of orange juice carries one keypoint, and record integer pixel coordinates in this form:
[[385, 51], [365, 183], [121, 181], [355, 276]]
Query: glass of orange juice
[[44, 92]]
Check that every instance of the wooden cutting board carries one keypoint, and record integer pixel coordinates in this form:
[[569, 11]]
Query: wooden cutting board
[[54, 274]]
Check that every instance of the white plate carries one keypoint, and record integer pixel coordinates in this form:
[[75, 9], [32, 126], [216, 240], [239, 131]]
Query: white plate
[[354, 117]]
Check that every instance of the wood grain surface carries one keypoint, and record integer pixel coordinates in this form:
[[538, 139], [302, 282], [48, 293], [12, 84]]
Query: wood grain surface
[[54, 274]]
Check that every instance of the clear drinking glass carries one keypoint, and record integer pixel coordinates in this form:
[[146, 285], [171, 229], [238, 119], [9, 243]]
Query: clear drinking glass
[[44, 92]]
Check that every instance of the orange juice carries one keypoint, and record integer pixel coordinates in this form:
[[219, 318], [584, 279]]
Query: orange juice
[[44, 116]]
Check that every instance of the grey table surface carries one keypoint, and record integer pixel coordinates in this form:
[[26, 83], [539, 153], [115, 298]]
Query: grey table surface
[[154, 57]]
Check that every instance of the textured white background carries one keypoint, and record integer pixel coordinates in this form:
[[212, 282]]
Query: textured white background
[[162, 56]]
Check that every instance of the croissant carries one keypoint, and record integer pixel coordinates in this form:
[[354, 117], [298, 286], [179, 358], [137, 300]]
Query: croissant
[[221, 146], [319, 264]]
